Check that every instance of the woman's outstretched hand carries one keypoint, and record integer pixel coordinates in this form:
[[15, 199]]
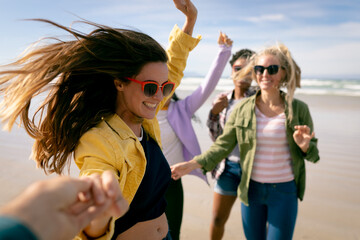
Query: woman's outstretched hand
[[302, 137], [181, 169]]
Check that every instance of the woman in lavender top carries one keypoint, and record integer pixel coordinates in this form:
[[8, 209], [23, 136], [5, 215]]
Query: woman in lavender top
[[178, 137]]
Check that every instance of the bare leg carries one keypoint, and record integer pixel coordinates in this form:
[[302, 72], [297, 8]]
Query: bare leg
[[222, 205]]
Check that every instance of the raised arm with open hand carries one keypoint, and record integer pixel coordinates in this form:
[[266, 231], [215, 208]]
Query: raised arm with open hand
[[190, 11], [224, 40]]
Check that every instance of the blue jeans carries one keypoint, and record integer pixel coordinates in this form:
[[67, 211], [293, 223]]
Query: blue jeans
[[229, 180], [272, 211]]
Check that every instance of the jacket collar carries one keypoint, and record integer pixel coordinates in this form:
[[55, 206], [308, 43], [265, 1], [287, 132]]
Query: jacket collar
[[119, 127]]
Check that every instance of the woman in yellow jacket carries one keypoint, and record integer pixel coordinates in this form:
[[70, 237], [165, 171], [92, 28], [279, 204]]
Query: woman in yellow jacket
[[107, 87]]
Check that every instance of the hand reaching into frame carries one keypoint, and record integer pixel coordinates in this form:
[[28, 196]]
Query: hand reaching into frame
[[66, 203]]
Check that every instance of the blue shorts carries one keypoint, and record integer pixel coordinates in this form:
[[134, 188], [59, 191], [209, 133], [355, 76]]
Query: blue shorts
[[229, 180]]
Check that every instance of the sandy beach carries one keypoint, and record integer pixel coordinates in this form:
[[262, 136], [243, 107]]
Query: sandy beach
[[331, 206]]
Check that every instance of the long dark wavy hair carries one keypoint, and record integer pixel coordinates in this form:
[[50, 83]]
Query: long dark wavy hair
[[78, 77]]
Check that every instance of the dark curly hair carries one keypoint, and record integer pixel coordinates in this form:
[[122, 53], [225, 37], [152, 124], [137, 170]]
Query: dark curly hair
[[243, 53]]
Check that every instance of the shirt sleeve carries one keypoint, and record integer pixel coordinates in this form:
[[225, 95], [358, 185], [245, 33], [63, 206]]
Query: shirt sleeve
[[180, 45], [95, 154], [207, 86], [12, 229], [213, 123], [312, 154], [221, 148]]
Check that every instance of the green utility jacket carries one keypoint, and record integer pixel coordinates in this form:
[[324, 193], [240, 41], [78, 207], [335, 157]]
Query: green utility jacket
[[240, 129]]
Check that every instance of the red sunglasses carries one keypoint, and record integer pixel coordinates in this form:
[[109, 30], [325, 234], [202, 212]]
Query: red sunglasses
[[150, 87]]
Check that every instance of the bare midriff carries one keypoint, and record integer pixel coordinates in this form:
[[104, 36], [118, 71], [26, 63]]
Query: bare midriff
[[155, 229]]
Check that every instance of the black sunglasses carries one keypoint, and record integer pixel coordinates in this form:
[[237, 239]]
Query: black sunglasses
[[150, 88], [272, 69]]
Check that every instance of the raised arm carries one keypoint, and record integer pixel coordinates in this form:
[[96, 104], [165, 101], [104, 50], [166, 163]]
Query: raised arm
[[180, 44], [190, 11], [201, 94]]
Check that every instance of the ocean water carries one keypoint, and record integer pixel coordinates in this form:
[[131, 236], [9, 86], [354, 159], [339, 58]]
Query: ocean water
[[311, 86]]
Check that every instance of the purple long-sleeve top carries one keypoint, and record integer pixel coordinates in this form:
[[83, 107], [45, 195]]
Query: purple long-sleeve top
[[181, 112]]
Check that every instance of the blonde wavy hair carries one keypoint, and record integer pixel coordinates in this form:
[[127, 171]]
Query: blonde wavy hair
[[292, 77], [78, 78]]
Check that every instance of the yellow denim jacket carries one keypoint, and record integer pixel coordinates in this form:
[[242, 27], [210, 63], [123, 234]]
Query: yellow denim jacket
[[112, 145]]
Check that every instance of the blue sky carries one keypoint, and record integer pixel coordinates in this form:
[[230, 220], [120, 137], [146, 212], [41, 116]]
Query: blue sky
[[324, 36]]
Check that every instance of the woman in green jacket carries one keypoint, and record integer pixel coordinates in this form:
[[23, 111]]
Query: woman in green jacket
[[275, 134]]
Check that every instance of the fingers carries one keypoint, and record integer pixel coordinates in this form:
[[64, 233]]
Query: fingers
[[219, 104], [111, 186], [312, 135], [81, 184], [121, 206], [303, 131], [221, 39], [175, 175], [91, 212], [223, 101], [186, 7], [102, 187], [224, 40], [302, 128], [105, 195], [80, 206], [97, 189], [181, 169], [174, 172]]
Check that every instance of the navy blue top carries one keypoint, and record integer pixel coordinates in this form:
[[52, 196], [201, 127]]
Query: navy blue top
[[149, 201], [12, 229]]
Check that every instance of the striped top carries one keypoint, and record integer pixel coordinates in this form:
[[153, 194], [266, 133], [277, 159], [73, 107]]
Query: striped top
[[272, 163]]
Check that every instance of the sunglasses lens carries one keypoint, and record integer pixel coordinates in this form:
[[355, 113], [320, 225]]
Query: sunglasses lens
[[273, 69], [259, 69], [167, 88], [150, 89]]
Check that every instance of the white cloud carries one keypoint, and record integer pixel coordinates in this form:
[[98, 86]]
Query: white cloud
[[266, 18], [336, 60], [344, 31]]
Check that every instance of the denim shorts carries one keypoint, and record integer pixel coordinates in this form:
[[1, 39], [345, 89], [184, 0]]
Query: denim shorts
[[229, 180]]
